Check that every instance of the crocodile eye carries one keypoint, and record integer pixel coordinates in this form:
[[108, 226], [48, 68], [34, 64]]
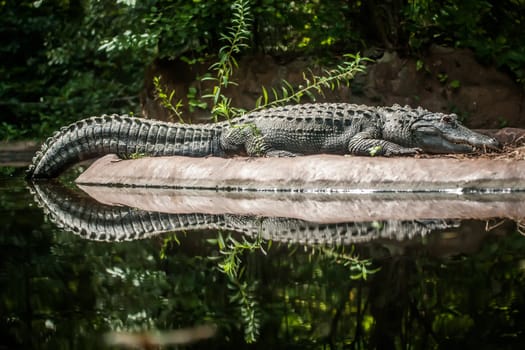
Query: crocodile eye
[[446, 119]]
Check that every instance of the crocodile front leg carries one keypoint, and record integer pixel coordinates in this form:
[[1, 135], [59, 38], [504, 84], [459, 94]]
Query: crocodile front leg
[[365, 144], [248, 137], [257, 146]]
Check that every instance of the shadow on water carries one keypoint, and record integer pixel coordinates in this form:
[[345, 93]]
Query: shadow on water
[[313, 274]]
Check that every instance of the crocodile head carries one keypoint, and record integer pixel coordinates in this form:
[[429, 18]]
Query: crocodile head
[[443, 133]]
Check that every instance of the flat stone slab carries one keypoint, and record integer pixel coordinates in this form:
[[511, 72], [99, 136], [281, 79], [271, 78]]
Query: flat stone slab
[[318, 173]]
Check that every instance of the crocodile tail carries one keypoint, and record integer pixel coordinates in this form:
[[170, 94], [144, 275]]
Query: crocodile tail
[[82, 215], [124, 136]]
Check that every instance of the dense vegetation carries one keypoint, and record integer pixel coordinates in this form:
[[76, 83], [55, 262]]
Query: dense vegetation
[[62, 60]]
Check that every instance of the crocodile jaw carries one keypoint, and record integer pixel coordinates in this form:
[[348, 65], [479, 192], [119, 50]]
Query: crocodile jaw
[[439, 144], [468, 138], [436, 136]]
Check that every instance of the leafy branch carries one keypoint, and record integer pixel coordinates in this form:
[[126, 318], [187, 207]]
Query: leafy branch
[[220, 73], [166, 100], [331, 79], [236, 39]]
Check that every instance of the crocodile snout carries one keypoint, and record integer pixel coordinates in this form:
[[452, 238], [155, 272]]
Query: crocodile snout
[[494, 144], [484, 141]]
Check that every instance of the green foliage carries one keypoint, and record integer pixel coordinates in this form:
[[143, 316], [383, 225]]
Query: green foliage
[[221, 72], [373, 151], [244, 295], [137, 155], [194, 101], [358, 268], [236, 38], [455, 84], [65, 60], [243, 288], [232, 250], [331, 79], [52, 71], [310, 27], [7, 171], [166, 100], [442, 78], [493, 29], [9, 131], [168, 29]]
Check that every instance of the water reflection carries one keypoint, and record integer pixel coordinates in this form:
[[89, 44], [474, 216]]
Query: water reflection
[[459, 286], [92, 220]]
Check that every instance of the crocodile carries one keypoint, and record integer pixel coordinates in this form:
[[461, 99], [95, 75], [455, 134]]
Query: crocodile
[[335, 128], [84, 216]]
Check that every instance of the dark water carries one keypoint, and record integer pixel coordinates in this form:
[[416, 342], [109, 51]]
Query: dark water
[[417, 284]]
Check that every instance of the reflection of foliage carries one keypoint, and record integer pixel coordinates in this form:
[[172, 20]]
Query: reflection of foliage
[[242, 292], [244, 295], [472, 299], [168, 243], [7, 171], [359, 268], [59, 291], [232, 250]]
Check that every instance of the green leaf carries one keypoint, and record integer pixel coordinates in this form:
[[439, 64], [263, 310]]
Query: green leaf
[[455, 84], [374, 150], [265, 95], [419, 65]]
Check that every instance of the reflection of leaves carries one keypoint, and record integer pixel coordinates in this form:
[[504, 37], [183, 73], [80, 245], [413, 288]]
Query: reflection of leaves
[[169, 241], [304, 295], [241, 293], [359, 268], [232, 249], [452, 325], [244, 295]]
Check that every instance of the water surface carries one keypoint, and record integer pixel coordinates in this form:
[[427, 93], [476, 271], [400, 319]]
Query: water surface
[[259, 282]]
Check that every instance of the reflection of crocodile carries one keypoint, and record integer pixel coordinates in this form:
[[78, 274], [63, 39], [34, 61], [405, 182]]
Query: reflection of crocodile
[[92, 220], [284, 131]]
